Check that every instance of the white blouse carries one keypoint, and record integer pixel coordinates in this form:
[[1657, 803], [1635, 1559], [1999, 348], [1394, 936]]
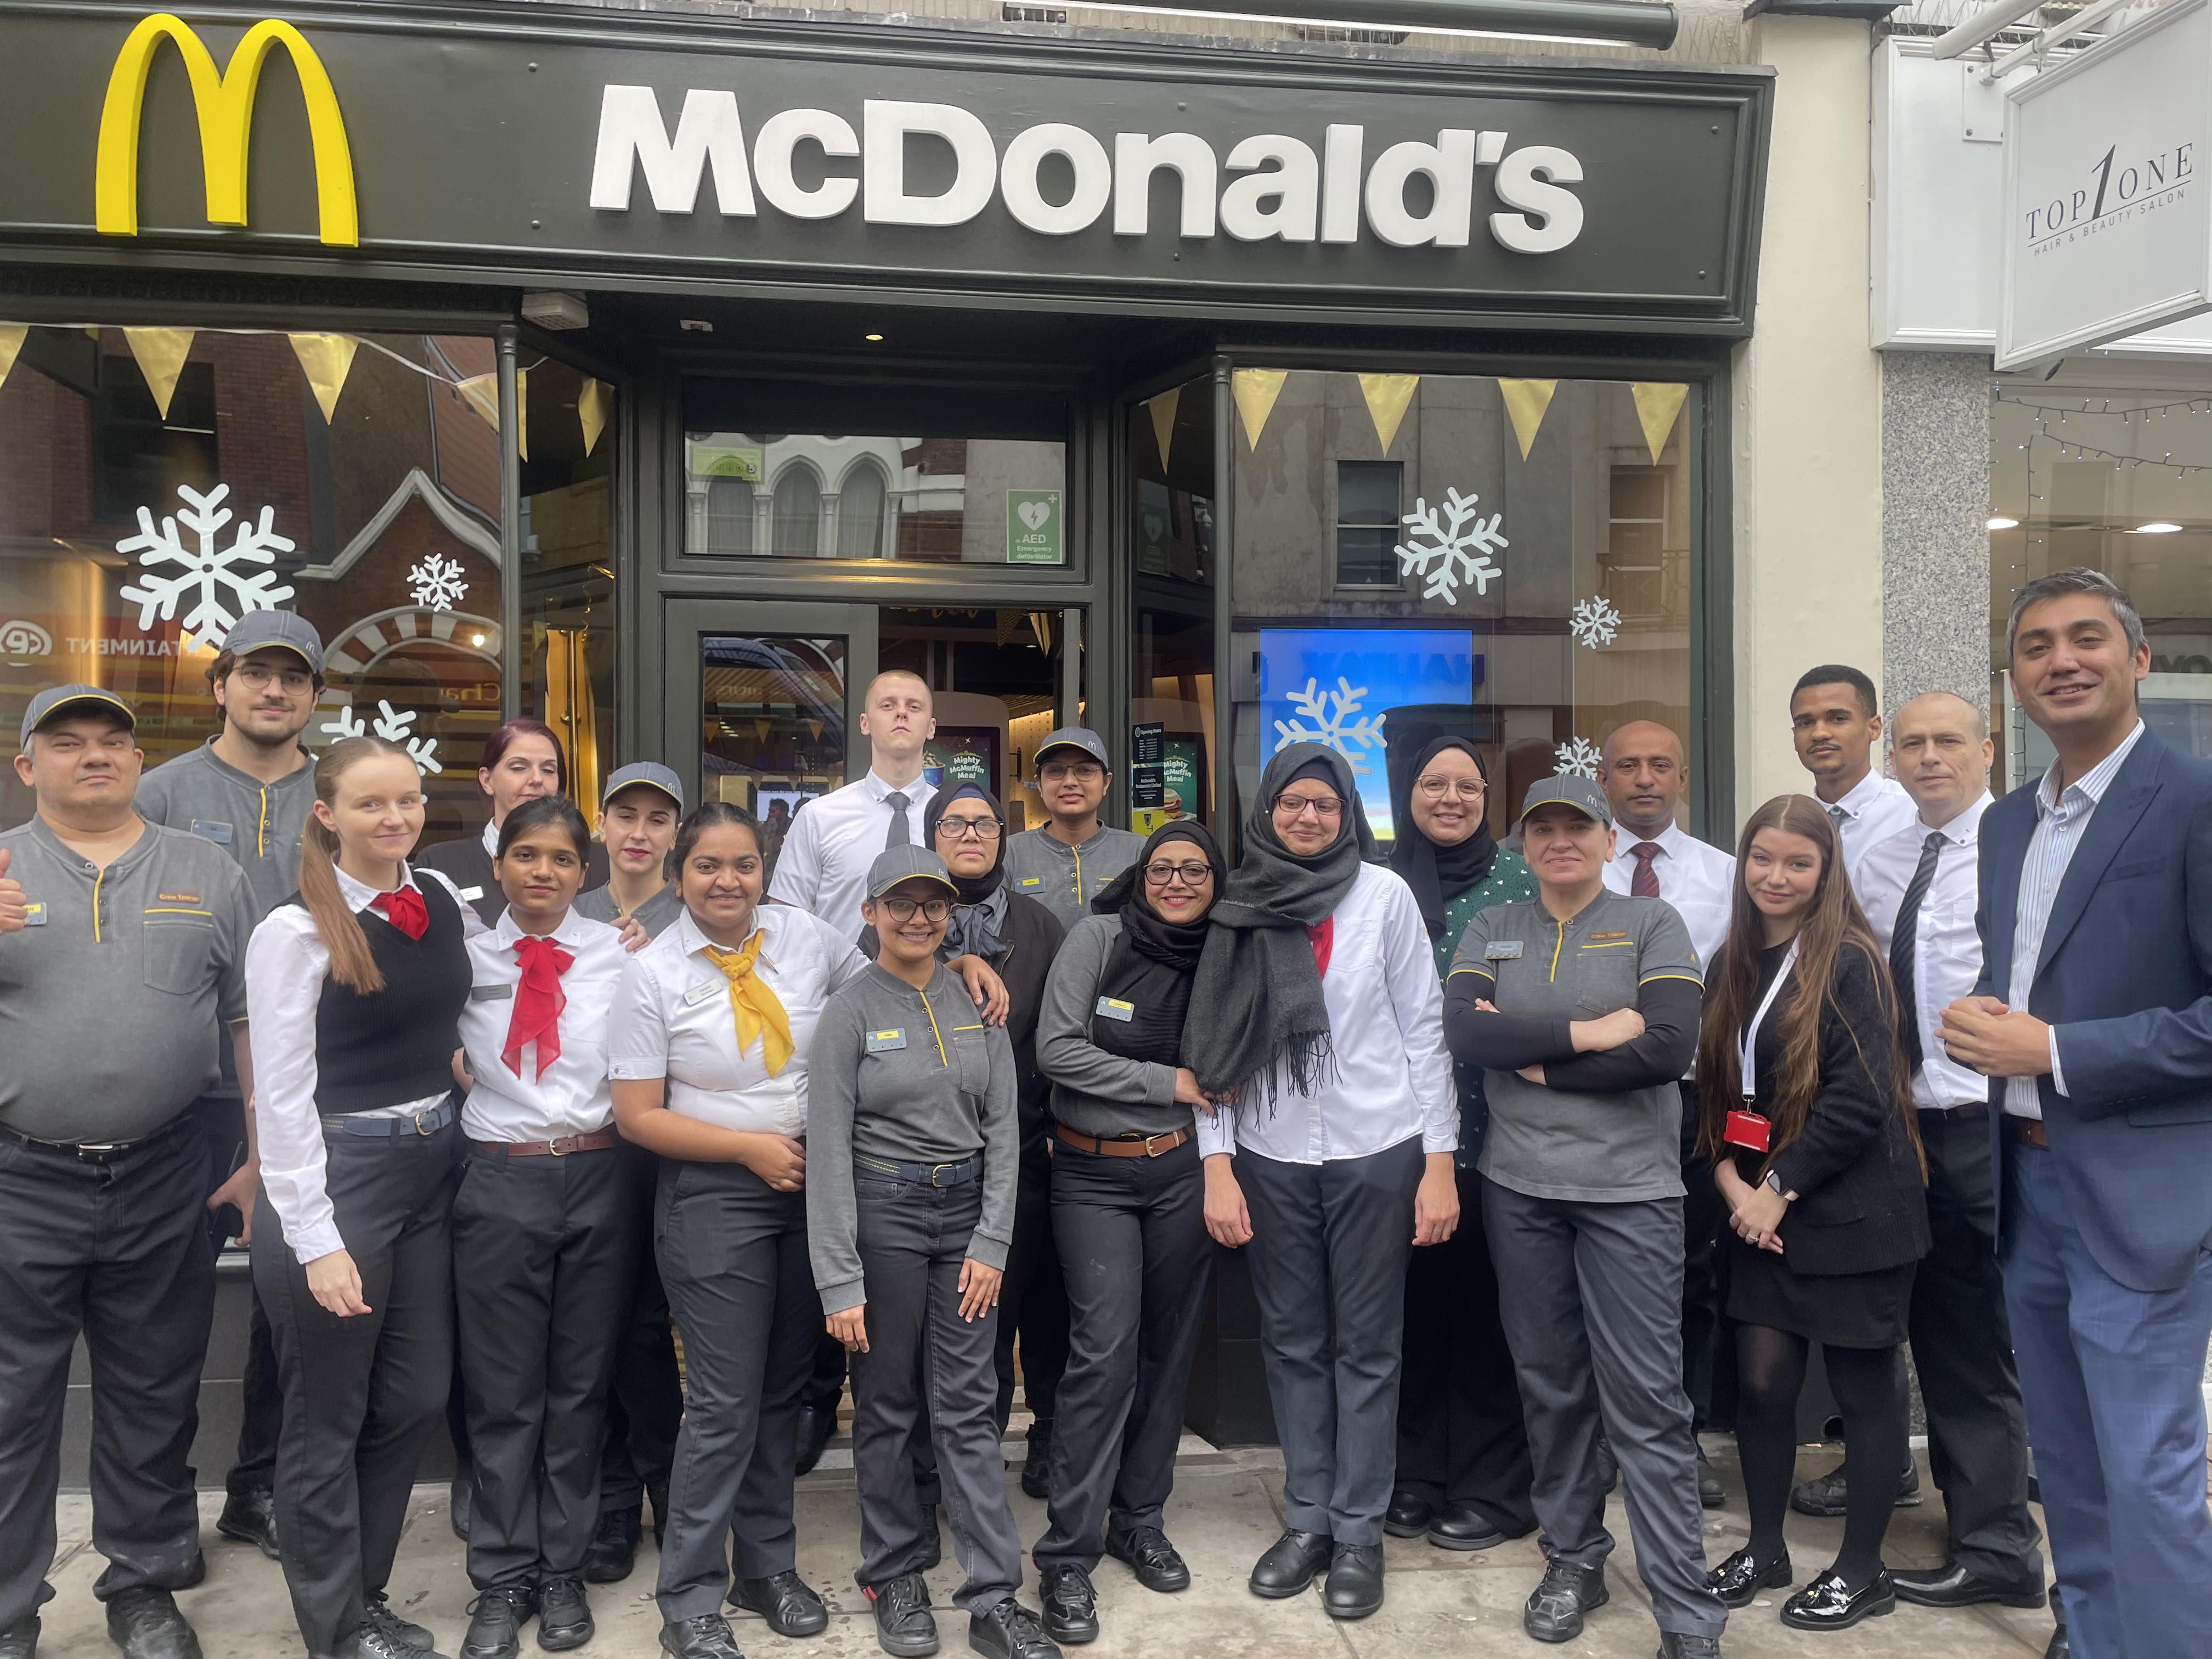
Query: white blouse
[[572, 1097]]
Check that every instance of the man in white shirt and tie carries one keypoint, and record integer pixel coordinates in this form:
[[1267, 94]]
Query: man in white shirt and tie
[[1644, 774], [1919, 887], [1835, 721]]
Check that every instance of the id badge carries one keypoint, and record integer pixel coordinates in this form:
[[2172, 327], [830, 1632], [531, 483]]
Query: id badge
[[1747, 1130]]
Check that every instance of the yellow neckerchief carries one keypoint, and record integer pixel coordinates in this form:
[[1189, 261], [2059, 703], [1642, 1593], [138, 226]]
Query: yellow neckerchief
[[759, 1013]]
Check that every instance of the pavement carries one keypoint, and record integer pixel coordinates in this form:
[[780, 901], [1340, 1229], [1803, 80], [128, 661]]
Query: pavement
[[1226, 1509]]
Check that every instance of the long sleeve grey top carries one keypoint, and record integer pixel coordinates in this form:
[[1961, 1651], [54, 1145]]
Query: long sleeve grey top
[[909, 1077], [1093, 1092]]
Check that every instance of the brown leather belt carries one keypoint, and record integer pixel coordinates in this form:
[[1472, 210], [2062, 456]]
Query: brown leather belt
[[2030, 1130], [597, 1141], [1149, 1147]]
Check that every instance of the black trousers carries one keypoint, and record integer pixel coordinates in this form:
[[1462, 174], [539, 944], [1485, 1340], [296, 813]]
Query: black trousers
[[1703, 1216], [1134, 1229], [1329, 1250], [645, 1406], [261, 1405], [1460, 1438], [733, 1256], [362, 1395], [1035, 1294], [117, 1252], [542, 1249], [1962, 1349]]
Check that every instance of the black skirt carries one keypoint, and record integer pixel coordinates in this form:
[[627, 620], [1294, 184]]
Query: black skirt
[[1842, 1310]]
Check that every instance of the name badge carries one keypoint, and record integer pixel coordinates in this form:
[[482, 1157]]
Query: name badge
[[1032, 881], [489, 992], [34, 915], [181, 898], [213, 829], [1502, 950], [698, 993], [1114, 1008], [882, 1042], [471, 895], [1599, 939]]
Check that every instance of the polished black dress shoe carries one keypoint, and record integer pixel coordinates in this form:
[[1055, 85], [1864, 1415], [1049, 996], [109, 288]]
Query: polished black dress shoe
[[1354, 1587], [932, 1542], [1462, 1527], [1827, 1494], [707, 1637], [495, 1621], [1608, 1465], [1952, 1586], [1037, 1466], [1554, 1610], [1071, 1606], [1156, 1562], [1290, 1565], [613, 1549], [460, 1498], [1677, 1644], [816, 1426], [1710, 1493], [250, 1516], [564, 1615], [146, 1625], [21, 1639], [905, 1627], [786, 1601], [1827, 1604], [1738, 1580], [1409, 1514], [377, 1613], [1010, 1631]]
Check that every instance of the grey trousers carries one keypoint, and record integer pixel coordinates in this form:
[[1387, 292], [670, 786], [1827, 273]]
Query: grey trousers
[[1591, 1299], [913, 1240], [1328, 1254], [733, 1257]]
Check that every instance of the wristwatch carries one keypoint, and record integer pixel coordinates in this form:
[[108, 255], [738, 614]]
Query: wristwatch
[[1774, 1180]]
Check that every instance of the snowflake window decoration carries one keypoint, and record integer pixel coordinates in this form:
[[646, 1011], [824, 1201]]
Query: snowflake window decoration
[[436, 583], [215, 591], [391, 726], [1451, 543], [1595, 621], [1331, 714], [1577, 758]]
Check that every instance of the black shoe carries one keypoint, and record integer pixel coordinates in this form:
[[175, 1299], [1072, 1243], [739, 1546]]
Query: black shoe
[[816, 1426], [1462, 1527], [1710, 1493], [496, 1621], [1071, 1606], [378, 1614], [613, 1550], [1354, 1587], [1952, 1586], [786, 1601], [375, 1641], [904, 1627], [707, 1637], [1608, 1465], [250, 1516], [1010, 1631], [1674, 1644], [932, 1542], [146, 1625], [1037, 1468], [460, 1499], [1826, 1495], [1151, 1557], [1826, 1604], [1555, 1608], [1291, 1563], [1409, 1514], [564, 1615], [1738, 1580], [657, 1494], [21, 1639]]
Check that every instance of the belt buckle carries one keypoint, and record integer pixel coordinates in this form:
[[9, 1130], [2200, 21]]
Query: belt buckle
[[555, 1148], [1149, 1151], [419, 1129], [936, 1171]]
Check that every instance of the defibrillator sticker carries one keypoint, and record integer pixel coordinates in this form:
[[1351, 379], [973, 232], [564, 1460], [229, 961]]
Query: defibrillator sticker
[[1114, 1008], [214, 830], [1502, 950], [698, 993], [881, 1042]]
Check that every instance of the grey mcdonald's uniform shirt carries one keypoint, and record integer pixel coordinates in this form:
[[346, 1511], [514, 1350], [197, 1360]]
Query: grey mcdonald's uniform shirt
[[117, 993], [653, 915], [913, 1077], [1094, 1093], [1063, 878], [1612, 1148]]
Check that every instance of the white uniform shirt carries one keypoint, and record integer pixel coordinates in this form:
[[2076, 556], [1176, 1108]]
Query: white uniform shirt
[[572, 1097], [672, 1019], [1947, 949], [1876, 809], [1393, 1078], [1698, 879], [823, 866], [286, 965]]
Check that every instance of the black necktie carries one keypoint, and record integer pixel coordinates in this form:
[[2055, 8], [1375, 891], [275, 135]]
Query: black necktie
[[900, 834], [1903, 940]]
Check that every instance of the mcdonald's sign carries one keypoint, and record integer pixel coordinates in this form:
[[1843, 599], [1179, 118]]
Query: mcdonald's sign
[[224, 101]]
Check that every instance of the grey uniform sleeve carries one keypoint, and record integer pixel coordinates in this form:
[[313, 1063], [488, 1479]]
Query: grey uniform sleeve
[[1002, 1156], [234, 924], [1065, 1051], [833, 1077], [1494, 1040]]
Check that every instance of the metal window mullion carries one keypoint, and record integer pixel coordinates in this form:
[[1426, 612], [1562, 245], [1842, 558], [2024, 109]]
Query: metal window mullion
[[510, 529]]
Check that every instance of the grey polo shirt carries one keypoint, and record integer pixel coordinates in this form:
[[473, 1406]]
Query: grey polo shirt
[[1064, 879], [1555, 1143], [115, 993], [258, 825], [653, 915]]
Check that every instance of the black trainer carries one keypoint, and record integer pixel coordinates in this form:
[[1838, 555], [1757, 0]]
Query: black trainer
[[21, 1639], [376, 1642], [613, 1549], [1071, 1605], [707, 1637], [1710, 1493], [496, 1621], [1010, 1631], [905, 1628], [1037, 1466], [250, 1516], [1555, 1608], [564, 1615], [146, 1625], [1146, 1552], [1828, 1495], [786, 1601], [812, 1431], [378, 1614]]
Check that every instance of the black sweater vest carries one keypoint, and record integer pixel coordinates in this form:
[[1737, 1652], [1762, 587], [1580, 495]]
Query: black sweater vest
[[395, 1045]]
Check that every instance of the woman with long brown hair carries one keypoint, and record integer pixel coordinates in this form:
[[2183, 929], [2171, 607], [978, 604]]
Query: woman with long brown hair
[[1805, 1114]]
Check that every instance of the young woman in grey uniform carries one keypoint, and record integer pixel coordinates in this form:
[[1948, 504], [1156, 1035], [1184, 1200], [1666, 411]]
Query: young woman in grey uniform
[[709, 1052], [1128, 1203], [914, 1154]]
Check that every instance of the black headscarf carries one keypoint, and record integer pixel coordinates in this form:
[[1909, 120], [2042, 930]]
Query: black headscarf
[[1438, 874], [1257, 980], [1152, 965], [978, 922]]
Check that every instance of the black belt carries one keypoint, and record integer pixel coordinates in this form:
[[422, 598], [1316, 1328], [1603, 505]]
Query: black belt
[[100, 1152], [428, 1122], [923, 1175]]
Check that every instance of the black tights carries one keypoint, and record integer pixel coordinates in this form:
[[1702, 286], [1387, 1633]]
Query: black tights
[[1869, 1389]]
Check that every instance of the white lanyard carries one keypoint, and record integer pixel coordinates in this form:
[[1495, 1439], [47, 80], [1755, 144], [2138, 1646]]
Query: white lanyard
[[1751, 1031]]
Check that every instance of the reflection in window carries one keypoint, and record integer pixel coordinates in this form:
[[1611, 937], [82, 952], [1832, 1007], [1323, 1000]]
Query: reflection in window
[[1633, 561], [1367, 510], [729, 516], [796, 514], [860, 504]]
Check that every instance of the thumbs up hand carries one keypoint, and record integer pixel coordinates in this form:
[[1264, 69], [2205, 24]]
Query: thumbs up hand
[[13, 906]]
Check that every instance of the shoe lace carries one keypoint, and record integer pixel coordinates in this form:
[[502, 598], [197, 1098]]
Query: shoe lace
[[1070, 1583], [564, 1589], [902, 1596], [377, 1615], [514, 1599], [709, 1636], [373, 1639], [1020, 1625], [1561, 1578], [1149, 1545]]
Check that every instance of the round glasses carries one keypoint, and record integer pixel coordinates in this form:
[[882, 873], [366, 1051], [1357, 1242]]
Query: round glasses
[[903, 909], [1191, 875], [964, 829], [253, 674], [1436, 789], [1322, 806]]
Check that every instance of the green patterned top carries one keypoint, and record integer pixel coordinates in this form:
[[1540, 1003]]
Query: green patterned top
[[1509, 879]]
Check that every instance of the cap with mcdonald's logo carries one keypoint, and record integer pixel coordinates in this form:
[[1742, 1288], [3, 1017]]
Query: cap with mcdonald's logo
[[56, 701]]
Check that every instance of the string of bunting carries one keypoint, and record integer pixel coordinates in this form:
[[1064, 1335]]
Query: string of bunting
[[1388, 396]]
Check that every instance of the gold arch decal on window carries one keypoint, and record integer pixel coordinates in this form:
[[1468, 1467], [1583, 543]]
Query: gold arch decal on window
[[222, 100]]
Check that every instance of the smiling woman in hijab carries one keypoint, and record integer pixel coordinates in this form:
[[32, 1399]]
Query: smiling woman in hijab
[[1319, 1008]]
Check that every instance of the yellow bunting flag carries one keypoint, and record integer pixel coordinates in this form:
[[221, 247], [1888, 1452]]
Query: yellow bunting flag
[[1163, 407], [327, 359], [482, 393], [1658, 403], [1388, 396], [1255, 391], [161, 353], [1526, 403], [594, 403], [11, 342]]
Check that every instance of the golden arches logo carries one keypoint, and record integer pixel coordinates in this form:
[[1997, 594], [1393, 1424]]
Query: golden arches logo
[[223, 100]]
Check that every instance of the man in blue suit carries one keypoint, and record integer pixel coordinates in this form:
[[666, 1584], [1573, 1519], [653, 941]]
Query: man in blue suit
[[2094, 1017]]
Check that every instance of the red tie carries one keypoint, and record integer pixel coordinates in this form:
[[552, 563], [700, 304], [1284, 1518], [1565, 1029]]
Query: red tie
[[539, 1001], [1323, 940], [1644, 884], [405, 910]]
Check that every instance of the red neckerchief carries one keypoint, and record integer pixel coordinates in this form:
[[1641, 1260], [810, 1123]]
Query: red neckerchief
[[404, 909], [538, 1000]]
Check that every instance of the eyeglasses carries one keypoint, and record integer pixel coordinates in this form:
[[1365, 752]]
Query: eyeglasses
[[1436, 788], [258, 676], [1192, 875], [1322, 806], [903, 909], [961, 828], [1061, 771]]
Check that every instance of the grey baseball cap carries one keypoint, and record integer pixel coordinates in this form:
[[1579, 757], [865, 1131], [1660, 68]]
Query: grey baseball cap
[[1567, 789], [909, 863], [652, 775], [59, 700], [1074, 737], [262, 630]]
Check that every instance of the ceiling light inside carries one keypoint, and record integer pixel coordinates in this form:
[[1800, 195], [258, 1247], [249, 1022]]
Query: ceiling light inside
[[2000, 522], [872, 337], [2156, 527]]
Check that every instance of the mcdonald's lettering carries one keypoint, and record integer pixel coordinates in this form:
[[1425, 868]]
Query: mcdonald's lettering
[[222, 100]]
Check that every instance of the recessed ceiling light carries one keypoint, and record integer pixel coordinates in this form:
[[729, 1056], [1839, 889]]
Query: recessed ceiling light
[[872, 337], [2156, 527], [2000, 522], [476, 639]]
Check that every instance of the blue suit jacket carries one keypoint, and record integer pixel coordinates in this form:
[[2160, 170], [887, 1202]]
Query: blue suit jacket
[[2125, 976]]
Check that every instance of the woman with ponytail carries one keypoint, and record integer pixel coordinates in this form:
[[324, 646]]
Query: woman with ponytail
[[356, 987]]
